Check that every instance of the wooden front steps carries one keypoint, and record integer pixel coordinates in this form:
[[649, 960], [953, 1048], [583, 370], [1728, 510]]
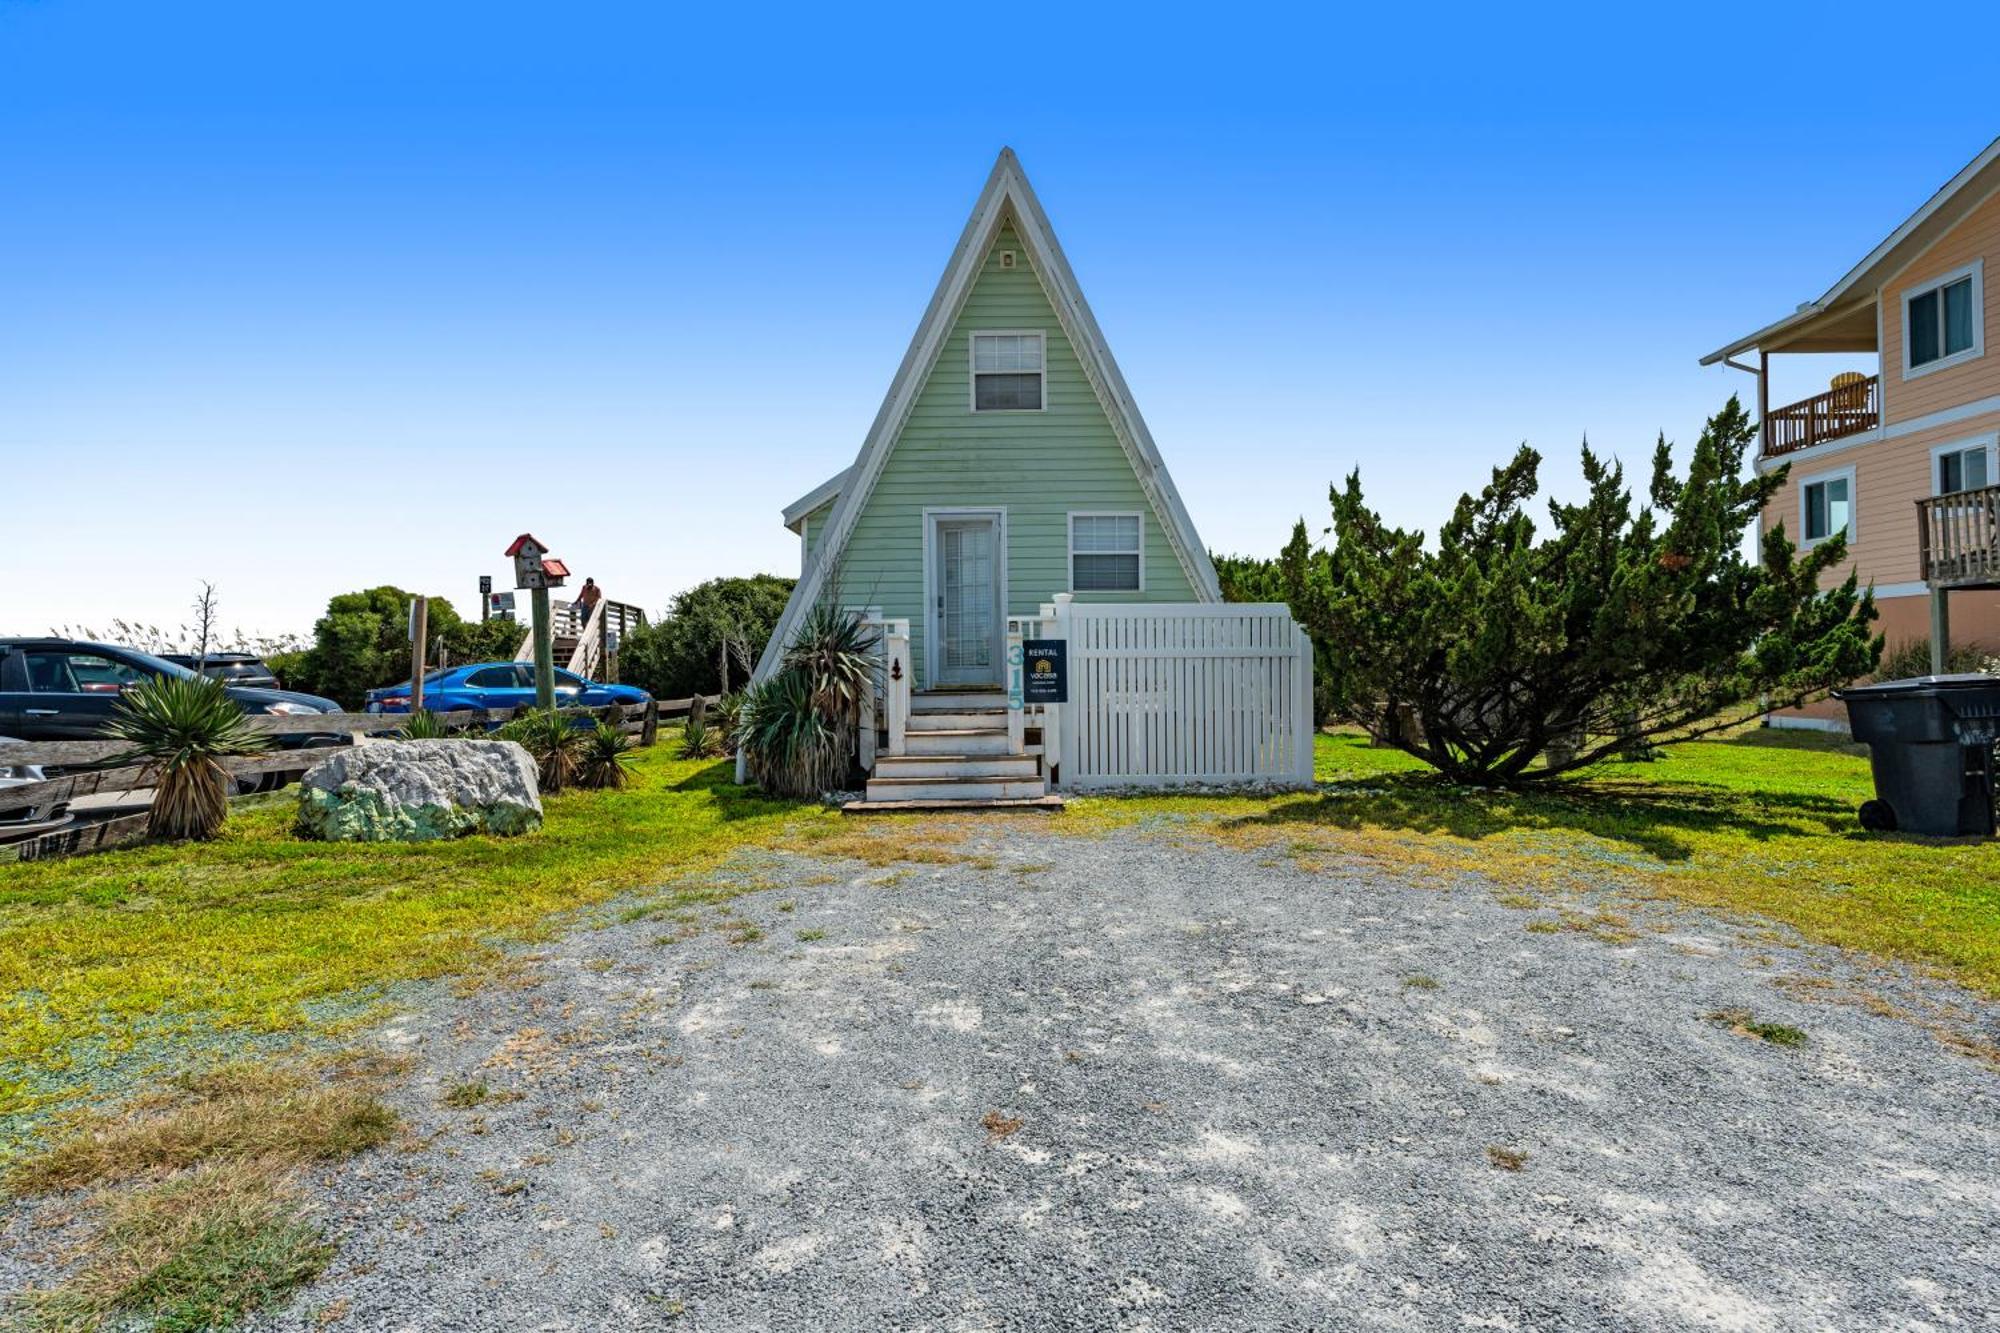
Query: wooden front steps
[[957, 758]]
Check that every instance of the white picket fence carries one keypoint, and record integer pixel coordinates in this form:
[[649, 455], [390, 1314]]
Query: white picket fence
[[1161, 694]]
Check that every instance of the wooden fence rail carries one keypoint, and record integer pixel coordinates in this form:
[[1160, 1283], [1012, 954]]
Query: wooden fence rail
[[88, 768]]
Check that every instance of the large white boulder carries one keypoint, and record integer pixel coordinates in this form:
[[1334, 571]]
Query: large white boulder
[[413, 791]]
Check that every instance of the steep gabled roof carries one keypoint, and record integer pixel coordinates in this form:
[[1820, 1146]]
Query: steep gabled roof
[[1006, 196], [1843, 320]]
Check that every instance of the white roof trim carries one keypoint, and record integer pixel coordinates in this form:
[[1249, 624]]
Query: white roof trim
[[1875, 259], [1007, 193], [816, 497]]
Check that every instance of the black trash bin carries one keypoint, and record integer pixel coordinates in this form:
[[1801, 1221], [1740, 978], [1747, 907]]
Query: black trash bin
[[1930, 741]]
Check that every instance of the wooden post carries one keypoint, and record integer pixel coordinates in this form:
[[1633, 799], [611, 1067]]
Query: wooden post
[[545, 651], [420, 629], [649, 732], [1764, 397], [1940, 629]]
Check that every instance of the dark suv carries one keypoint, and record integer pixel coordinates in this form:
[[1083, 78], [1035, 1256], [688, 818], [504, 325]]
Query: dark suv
[[229, 668], [62, 690]]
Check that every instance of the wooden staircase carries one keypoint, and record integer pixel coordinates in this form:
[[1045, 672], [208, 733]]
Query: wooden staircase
[[955, 756]]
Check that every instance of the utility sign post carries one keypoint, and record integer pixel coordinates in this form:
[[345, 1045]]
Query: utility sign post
[[485, 595], [537, 571]]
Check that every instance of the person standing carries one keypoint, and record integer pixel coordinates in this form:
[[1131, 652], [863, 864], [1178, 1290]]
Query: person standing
[[587, 599]]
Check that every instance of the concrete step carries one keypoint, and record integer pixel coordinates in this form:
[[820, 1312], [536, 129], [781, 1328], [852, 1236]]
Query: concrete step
[[1047, 804], [939, 766], [946, 789], [945, 701], [961, 719]]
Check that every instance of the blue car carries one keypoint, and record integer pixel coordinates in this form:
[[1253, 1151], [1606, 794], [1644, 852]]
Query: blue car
[[500, 685]]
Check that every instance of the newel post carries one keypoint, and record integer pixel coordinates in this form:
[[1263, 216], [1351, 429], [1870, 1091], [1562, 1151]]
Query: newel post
[[896, 688], [1016, 690]]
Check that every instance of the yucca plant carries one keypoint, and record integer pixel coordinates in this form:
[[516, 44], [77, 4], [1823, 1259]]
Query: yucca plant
[[729, 720], [604, 758], [836, 652], [790, 746], [699, 740], [424, 725], [182, 725], [551, 742]]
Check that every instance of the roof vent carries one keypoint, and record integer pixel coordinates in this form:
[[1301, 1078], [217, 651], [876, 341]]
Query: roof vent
[[1006, 259]]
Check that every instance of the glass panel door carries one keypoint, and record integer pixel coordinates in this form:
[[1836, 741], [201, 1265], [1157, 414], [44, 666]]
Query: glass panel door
[[968, 602]]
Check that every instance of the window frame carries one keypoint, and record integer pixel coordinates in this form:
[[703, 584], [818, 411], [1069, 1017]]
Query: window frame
[[1976, 271], [1140, 549], [972, 373], [1853, 505], [1988, 442]]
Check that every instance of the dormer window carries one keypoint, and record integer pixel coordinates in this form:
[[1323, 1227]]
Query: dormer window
[[1007, 372], [1942, 321]]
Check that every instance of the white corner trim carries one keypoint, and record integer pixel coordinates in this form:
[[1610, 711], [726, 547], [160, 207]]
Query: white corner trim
[[1988, 440], [972, 373], [1070, 524], [1853, 529], [1976, 271]]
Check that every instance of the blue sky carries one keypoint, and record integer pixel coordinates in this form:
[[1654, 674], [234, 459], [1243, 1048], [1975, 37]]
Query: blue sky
[[303, 298]]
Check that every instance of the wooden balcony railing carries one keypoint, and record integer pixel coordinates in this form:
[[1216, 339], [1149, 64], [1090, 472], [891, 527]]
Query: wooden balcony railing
[[1958, 538], [1826, 416]]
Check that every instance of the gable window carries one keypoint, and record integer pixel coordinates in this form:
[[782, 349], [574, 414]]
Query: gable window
[[1826, 506], [1104, 553], [1942, 321], [1007, 372], [1965, 466]]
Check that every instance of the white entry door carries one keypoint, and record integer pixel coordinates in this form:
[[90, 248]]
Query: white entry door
[[965, 600]]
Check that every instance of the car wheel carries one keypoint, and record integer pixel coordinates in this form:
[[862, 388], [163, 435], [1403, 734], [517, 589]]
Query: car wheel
[[1878, 816]]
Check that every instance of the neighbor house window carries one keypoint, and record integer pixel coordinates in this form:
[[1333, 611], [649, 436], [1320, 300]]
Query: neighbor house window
[[1104, 553], [1963, 467], [1942, 320], [1828, 505], [1007, 372]]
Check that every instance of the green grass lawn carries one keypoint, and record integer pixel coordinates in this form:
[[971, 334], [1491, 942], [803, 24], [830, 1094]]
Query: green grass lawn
[[115, 966]]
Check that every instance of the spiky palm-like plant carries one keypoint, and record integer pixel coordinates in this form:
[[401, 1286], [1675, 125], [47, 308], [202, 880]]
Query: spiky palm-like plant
[[182, 725], [424, 725], [551, 742], [699, 740], [788, 742], [604, 756]]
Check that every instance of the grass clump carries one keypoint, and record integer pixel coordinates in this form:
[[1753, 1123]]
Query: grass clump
[[1744, 1024], [237, 1113], [1421, 981], [196, 1218], [199, 1251], [1507, 1159], [465, 1096]]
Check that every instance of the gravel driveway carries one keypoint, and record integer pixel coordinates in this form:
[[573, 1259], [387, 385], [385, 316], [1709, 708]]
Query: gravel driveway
[[1126, 1082]]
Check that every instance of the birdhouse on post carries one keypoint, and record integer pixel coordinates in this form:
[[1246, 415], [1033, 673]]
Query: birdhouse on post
[[532, 567]]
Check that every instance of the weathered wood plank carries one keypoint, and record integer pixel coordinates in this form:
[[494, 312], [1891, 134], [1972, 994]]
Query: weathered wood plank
[[78, 839]]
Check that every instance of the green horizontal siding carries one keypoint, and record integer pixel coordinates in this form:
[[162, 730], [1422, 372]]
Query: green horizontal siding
[[815, 526], [1038, 466]]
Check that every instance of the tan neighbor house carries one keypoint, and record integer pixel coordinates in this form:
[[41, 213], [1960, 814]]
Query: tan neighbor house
[[1904, 460]]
